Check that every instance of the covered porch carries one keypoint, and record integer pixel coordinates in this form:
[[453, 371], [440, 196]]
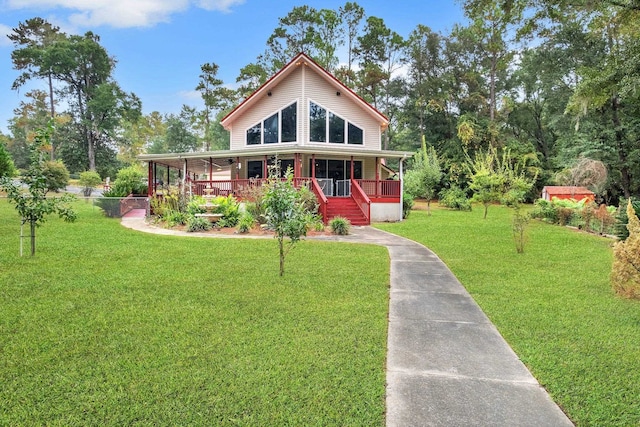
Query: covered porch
[[361, 176]]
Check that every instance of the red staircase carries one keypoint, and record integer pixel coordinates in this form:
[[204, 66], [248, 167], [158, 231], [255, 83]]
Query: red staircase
[[345, 207]]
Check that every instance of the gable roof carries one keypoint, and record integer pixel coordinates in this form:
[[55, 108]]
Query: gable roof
[[566, 189], [302, 59]]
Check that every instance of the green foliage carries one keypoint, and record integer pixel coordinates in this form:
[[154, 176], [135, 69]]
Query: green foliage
[[129, 180], [581, 214], [195, 223], [34, 205], [56, 175], [254, 197], [229, 208], [285, 212], [110, 205], [621, 230], [246, 223], [423, 179], [173, 218], [340, 226], [625, 272], [89, 180], [7, 167], [407, 204], [455, 198]]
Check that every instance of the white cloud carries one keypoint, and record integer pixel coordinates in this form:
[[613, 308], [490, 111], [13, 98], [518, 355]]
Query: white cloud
[[122, 13], [190, 95], [4, 31]]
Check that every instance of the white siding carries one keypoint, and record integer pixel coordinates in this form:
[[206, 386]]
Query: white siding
[[321, 92], [282, 95], [318, 90]]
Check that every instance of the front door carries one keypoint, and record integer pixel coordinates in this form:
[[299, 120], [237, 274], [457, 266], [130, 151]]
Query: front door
[[334, 176]]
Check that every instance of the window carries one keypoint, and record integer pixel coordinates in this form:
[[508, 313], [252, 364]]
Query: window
[[317, 123], [253, 134], [355, 135], [326, 126], [254, 169], [289, 122], [271, 129], [336, 129], [280, 127]]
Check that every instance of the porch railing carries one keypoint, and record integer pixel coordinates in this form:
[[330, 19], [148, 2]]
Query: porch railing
[[380, 189], [237, 187], [359, 196], [322, 199]]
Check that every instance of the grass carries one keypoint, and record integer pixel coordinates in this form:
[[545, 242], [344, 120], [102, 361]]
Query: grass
[[108, 326], [553, 304]]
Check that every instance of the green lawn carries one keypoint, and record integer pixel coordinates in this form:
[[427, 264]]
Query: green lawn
[[553, 304], [108, 326]]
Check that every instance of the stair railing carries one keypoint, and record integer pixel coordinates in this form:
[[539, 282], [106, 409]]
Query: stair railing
[[361, 199], [322, 199]]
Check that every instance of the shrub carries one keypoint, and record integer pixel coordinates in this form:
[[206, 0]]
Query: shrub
[[246, 222], [195, 223], [110, 205], [174, 218], [254, 197], [230, 210], [193, 206], [455, 198], [129, 180], [89, 180], [545, 210], [407, 204], [340, 226], [625, 276], [308, 200], [56, 175]]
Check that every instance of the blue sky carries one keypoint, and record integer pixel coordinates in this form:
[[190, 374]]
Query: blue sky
[[160, 44]]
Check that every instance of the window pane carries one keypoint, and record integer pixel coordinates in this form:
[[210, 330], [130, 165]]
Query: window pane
[[271, 129], [285, 164], [253, 134], [289, 123], [355, 135], [336, 129], [254, 169], [317, 123]]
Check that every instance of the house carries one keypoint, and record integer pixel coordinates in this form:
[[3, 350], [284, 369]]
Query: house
[[568, 192], [309, 121]]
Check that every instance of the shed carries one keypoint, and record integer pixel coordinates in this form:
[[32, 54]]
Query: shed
[[568, 192]]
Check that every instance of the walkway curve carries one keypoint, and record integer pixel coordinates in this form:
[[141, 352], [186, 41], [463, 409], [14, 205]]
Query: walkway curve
[[447, 364]]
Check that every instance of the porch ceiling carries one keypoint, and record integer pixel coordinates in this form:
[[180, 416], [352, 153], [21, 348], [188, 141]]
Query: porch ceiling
[[198, 161]]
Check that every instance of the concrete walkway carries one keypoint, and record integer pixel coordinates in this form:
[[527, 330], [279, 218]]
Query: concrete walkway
[[447, 365]]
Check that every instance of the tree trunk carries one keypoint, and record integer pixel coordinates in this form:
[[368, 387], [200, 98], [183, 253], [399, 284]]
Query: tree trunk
[[622, 153], [33, 237], [281, 244], [492, 87]]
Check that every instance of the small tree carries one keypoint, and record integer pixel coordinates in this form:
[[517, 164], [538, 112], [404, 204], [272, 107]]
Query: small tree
[[285, 212], [34, 205], [89, 180], [423, 180], [625, 272], [487, 181]]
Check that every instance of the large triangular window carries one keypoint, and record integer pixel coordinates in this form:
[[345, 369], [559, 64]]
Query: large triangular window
[[279, 127], [326, 126]]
